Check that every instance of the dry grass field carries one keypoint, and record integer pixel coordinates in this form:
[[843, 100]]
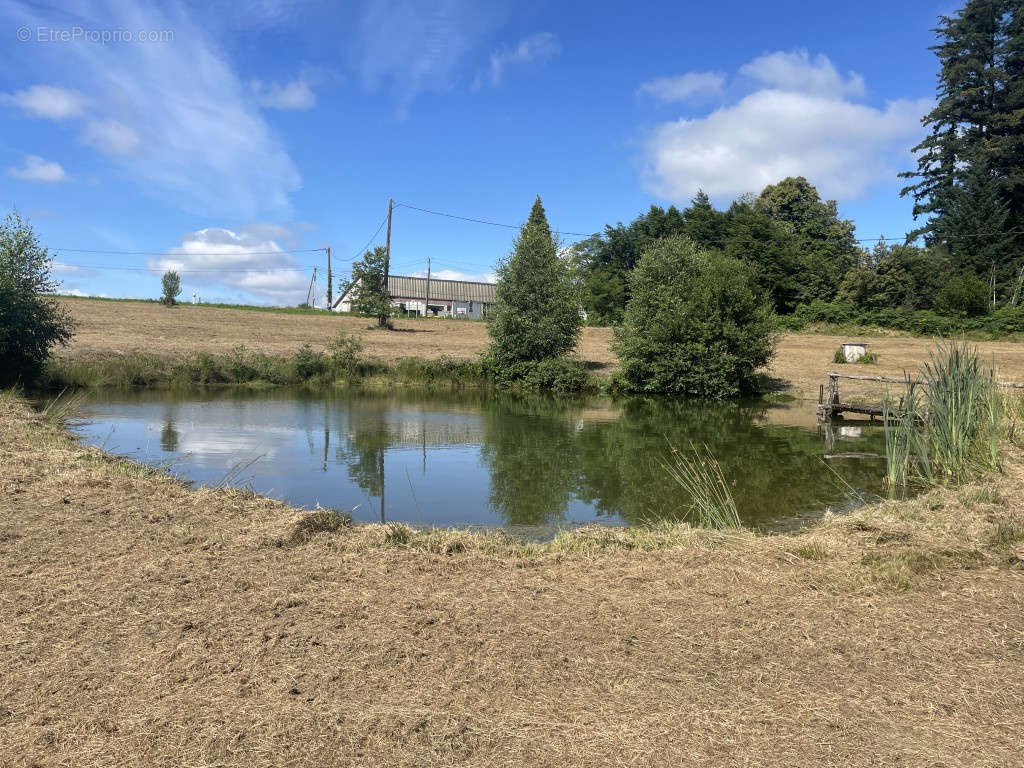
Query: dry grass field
[[146, 624], [126, 327]]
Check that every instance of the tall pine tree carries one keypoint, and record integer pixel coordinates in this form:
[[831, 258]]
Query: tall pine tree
[[969, 180], [536, 315]]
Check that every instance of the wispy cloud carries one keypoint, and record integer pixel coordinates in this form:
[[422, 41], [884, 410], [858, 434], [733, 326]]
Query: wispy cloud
[[805, 124], [536, 48], [294, 95], [37, 169], [46, 101], [412, 46], [111, 137], [690, 86], [174, 114]]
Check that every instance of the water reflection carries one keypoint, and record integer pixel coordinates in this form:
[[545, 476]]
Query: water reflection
[[492, 460]]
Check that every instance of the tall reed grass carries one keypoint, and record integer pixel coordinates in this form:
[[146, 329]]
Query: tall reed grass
[[946, 428], [700, 476]]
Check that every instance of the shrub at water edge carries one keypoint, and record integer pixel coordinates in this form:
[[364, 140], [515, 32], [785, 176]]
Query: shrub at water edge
[[695, 324], [30, 323]]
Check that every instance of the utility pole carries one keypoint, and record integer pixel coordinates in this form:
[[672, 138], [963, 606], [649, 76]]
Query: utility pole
[[310, 297], [426, 304], [383, 319], [330, 281]]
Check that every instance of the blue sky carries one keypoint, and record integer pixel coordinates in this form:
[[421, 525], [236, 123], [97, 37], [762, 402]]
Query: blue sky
[[226, 138]]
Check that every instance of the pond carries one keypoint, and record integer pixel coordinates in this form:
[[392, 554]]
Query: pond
[[491, 460]]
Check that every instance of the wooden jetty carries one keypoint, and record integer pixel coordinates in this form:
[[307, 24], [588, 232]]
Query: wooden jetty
[[830, 404]]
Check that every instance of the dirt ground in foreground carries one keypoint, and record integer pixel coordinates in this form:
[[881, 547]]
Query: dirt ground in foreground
[[146, 624], [125, 327]]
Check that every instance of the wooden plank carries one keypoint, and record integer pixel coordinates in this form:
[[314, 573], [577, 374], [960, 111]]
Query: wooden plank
[[883, 379], [891, 380]]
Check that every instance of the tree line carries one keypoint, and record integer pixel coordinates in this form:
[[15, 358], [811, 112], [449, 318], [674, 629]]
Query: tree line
[[968, 192]]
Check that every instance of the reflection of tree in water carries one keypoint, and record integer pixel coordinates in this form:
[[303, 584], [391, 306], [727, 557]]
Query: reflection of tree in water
[[169, 437], [773, 470], [530, 448], [541, 453], [368, 441], [169, 433]]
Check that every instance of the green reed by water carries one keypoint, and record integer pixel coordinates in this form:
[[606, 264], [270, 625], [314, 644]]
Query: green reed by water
[[947, 426]]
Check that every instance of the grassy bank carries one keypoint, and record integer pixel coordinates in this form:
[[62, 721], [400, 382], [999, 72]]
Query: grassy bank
[[245, 367], [111, 329], [148, 623]]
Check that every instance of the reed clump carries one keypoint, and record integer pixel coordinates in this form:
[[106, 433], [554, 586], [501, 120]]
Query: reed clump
[[946, 427], [700, 475]]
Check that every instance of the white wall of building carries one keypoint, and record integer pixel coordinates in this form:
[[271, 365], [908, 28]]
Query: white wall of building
[[470, 310]]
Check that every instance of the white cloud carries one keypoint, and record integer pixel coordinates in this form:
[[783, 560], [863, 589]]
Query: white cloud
[[797, 71], [535, 48], [47, 101], [294, 95], [36, 168], [80, 292], [454, 274], [686, 87], [247, 261], [111, 137], [207, 147], [805, 128]]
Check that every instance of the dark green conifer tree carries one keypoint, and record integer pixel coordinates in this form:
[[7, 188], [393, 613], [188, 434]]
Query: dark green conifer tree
[[536, 316]]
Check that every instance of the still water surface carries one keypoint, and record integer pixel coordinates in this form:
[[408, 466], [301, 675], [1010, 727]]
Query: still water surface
[[472, 459]]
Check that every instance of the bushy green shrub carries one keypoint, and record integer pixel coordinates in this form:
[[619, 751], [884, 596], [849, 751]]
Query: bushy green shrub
[[309, 363], [818, 311], [562, 375], [1006, 320], [346, 354], [963, 295], [695, 324], [30, 323]]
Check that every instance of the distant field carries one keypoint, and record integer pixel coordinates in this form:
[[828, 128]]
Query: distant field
[[127, 327]]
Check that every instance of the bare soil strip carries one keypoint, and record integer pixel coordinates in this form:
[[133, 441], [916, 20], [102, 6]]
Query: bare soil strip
[[106, 327], [147, 624]]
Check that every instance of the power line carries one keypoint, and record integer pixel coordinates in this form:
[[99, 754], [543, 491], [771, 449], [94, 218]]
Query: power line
[[968, 236], [485, 221], [584, 234], [372, 238], [304, 268], [193, 253]]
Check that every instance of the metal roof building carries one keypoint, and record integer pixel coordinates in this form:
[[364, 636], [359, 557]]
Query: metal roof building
[[440, 290], [420, 296]]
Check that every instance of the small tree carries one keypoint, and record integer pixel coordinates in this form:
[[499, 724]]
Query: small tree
[[963, 295], [171, 283], [373, 299], [695, 325], [30, 323], [536, 316]]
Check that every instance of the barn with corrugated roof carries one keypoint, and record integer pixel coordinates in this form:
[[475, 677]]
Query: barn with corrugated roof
[[422, 296]]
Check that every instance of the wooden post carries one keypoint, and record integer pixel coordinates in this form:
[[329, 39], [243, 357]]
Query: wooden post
[[426, 303], [330, 281], [383, 319]]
